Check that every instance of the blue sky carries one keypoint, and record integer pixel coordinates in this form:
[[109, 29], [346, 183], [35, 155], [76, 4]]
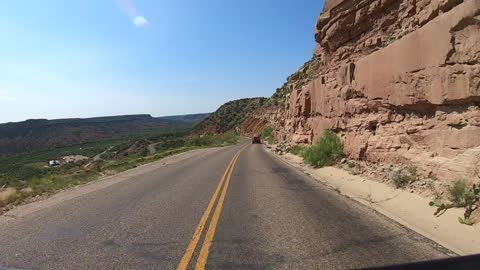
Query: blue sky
[[61, 59]]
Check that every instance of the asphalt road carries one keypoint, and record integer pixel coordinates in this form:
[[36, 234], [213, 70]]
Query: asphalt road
[[263, 215]]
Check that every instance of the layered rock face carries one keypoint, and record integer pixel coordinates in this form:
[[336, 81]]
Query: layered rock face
[[398, 80]]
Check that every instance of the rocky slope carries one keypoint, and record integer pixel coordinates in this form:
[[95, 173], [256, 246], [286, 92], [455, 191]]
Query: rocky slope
[[398, 80], [229, 116]]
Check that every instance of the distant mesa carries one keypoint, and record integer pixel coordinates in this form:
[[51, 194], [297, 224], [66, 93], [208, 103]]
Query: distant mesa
[[42, 134]]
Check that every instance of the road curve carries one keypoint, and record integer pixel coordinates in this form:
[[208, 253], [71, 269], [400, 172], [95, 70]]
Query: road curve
[[235, 207]]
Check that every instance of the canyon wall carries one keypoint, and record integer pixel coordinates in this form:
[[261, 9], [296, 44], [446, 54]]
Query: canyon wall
[[398, 80]]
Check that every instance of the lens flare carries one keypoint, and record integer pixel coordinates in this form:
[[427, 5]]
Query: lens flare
[[128, 8]]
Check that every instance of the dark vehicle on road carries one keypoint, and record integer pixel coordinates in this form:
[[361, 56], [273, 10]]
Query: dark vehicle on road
[[256, 139]]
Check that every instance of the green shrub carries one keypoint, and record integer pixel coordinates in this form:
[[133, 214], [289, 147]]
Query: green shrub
[[297, 150], [458, 192], [54, 183], [267, 132], [226, 138], [107, 155], [461, 196], [199, 141], [325, 152], [144, 151], [170, 144]]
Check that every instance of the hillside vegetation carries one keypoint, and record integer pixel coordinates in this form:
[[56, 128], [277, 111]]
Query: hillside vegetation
[[42, 134], [229, 116], [233, 113], [297, 80], [188, 118], [24, 176]]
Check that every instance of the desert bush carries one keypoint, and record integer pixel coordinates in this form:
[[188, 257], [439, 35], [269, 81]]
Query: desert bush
[[107, 155], [54, 183], [296, 150], [226, 138], [15, 172], [199, 141], [143, 151], [325, 152], [353, 167], [458, 192], [461, 196], [267, 134], [401, 177], [170, 144], [7, 196]]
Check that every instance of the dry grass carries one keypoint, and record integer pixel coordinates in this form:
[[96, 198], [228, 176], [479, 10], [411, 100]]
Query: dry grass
[[7, 196], [401, 177]]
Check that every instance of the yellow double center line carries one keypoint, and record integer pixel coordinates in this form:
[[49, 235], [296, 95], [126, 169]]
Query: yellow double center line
[[203, 255]]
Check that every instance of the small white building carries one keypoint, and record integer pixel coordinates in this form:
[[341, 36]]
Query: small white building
[[53, 163]]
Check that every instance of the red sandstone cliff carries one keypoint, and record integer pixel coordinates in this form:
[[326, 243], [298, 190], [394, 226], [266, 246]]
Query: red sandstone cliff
[[398, 80]]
